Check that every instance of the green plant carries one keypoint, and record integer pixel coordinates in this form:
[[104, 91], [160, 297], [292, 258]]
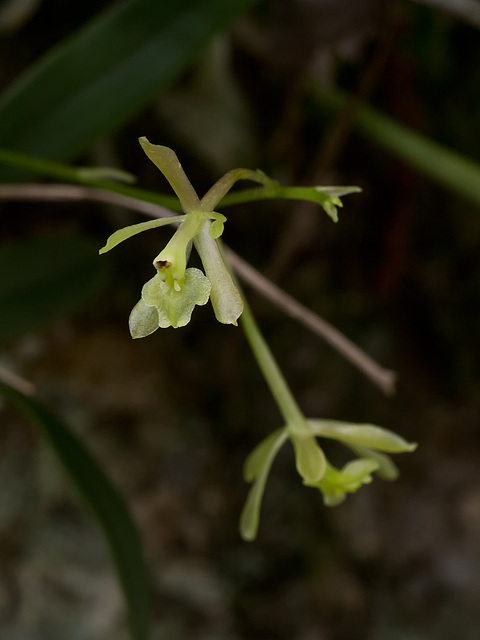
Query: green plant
[[169, 298], [98, 79]]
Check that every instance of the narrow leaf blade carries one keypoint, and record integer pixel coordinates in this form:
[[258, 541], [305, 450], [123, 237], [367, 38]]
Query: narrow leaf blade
[[106, 72], [105, 503], [44, 277]]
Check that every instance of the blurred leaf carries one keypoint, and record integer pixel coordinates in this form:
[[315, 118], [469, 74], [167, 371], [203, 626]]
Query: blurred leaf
[[445, 166], [45, 277], [210, 113], [106, 72], [105, 503], [15, 13]]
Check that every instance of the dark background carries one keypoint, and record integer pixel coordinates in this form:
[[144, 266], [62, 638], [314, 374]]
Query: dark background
[[172, 417]]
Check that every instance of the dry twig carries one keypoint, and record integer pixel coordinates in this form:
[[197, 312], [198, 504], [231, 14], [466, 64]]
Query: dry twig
[[383, 378]]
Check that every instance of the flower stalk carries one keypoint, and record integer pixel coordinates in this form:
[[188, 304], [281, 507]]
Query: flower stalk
[[168, 299]]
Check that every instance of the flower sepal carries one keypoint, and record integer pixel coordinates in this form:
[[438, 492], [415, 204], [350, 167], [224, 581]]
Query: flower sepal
[[364, 435]]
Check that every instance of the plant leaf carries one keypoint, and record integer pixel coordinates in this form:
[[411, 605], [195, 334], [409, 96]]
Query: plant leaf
[[447, 167], [106, 72], [44, 277], [105, 503]]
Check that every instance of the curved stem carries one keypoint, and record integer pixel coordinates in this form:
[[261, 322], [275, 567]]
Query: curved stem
[[286, 403]]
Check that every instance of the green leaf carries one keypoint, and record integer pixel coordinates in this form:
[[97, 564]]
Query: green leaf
[[127, 232], [105, 73], [105, 503], [106, 173], [445, 166], [265, 456], [44, 277]]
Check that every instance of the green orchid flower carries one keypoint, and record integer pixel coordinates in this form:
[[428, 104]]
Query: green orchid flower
[[169, 297], [336, 484], [369, 442]]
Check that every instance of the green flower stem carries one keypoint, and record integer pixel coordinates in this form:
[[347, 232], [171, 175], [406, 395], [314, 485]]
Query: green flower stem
[[219, 190], [286, 403], [274, 191], [63, 172]]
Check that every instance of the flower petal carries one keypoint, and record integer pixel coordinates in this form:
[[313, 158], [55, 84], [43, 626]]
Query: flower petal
[[387, 469], [257, 458], [251, 511], [174, 306], [309, 458], [335, 484], [216, 227], [127, 232]]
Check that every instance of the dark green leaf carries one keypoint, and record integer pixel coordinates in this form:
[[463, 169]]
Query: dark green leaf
[[103, 500], [445, 166], [105, 73], [45, 277]]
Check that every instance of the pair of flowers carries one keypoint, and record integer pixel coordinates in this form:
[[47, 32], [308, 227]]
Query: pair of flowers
[[168, 299]]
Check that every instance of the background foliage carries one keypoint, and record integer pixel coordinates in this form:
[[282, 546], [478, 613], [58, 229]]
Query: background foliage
[[171, 419]]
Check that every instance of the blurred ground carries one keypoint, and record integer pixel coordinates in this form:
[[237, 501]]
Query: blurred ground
[[172, 417]]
